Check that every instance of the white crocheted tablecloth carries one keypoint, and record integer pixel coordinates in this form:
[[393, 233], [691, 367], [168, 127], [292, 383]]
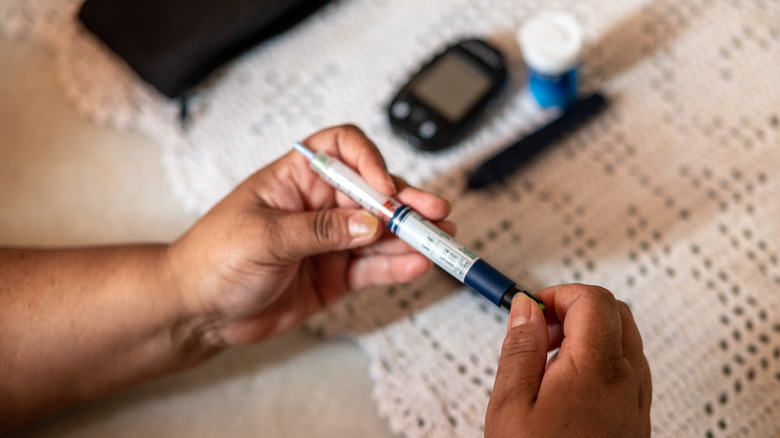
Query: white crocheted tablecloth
[[670, 199]]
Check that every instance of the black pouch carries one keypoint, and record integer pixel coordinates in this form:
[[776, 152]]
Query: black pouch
[[174, 44]]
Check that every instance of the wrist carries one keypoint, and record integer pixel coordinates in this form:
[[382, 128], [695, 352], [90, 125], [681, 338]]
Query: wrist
[[189, 328]]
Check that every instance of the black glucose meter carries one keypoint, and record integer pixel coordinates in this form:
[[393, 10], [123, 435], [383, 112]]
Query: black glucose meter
[[441, 102]]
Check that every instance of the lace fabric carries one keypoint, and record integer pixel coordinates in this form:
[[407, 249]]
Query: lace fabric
[[668, 199]]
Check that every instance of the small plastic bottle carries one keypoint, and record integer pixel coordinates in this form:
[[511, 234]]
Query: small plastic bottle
[[552, 44]]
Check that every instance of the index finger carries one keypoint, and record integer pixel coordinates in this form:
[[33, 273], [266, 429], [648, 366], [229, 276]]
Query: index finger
[[350, 145], [591, 321]]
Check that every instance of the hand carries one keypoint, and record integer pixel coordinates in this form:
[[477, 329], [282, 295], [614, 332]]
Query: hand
[[598, 383], [284, 244]]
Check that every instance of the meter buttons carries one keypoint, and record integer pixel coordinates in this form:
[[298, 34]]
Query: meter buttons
[[401, 109], [427, 129]]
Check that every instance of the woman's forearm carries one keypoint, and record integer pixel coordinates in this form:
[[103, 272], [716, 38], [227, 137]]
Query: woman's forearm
[[77, 324]]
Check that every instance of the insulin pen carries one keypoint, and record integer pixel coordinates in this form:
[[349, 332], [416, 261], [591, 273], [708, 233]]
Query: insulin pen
[[417, 231]]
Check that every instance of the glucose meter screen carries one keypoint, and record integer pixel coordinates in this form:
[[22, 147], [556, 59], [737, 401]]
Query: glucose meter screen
[[452, 86]]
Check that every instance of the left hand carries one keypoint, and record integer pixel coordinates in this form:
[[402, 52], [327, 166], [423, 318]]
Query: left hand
[[284, 244]]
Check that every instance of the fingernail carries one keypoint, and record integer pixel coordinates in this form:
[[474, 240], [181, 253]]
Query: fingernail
[[362, 224], [520, 312]]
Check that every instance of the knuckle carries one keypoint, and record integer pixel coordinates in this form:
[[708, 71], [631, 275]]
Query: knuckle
[[323, 228], [351, 127], [602, 295], [602, 372], [349, 131], [619, 370], [625, 309], [598, 296], [518, 343]]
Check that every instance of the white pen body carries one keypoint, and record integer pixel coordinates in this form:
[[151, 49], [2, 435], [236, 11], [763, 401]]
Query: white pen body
[[420, 233], [348, 182]]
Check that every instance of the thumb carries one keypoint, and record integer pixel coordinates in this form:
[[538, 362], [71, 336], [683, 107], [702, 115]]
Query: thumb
[[523, 355], [315, 232]]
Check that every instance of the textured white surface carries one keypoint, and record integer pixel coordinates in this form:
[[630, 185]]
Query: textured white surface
[[670, 199]]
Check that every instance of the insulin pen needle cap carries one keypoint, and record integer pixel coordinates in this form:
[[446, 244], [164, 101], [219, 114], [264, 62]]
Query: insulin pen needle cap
[[515, 155]]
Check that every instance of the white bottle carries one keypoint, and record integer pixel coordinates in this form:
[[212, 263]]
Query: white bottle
[[552, 44]]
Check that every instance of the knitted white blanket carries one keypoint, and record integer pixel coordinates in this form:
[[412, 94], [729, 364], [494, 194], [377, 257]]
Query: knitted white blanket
[[670, 199]]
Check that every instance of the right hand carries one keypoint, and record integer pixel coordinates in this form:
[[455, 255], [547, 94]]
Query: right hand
[[598, 384]]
